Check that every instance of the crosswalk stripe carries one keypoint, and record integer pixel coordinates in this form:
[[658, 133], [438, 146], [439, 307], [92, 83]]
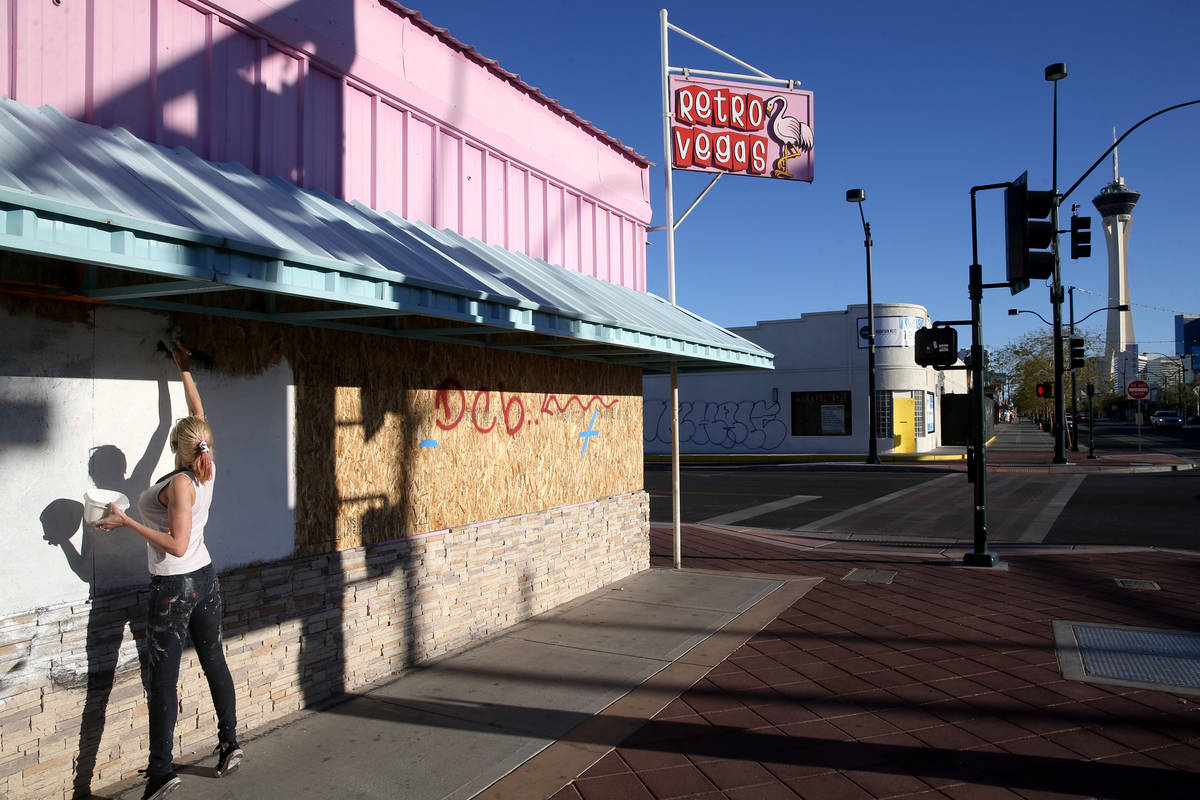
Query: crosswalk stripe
[[764, 508]]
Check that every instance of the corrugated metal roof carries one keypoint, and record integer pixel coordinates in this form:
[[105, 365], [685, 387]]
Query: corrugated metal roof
[[180, 233]]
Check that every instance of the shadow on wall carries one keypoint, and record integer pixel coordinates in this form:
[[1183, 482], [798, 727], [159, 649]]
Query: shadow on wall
[[109, 563], [323, 660]]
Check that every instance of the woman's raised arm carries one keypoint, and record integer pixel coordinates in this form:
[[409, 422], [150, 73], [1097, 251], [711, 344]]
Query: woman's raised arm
[[190, 393]]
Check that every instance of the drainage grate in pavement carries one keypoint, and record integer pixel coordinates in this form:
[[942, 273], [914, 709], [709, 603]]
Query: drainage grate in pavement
[[1143, 657], [1137, 585], [870, 575]]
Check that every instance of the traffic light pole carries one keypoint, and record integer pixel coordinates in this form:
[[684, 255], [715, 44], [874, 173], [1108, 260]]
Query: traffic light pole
[[977, 467], [1074, 390]]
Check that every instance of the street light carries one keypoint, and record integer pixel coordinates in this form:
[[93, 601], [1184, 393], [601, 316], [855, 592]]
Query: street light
[[857, 196], [1054, 74]]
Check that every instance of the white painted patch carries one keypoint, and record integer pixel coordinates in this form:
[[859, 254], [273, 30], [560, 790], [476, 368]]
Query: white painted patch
[[92, 405]]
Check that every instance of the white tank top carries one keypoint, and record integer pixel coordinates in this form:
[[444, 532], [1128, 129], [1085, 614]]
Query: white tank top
[[154, 515]]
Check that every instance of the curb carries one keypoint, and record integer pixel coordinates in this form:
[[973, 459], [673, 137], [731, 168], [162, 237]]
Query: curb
[[827, 539]]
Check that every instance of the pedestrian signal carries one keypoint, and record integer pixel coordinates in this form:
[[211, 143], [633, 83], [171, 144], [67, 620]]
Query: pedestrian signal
[[936, 347]]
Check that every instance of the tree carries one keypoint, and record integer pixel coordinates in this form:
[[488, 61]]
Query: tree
[[1029, 360]]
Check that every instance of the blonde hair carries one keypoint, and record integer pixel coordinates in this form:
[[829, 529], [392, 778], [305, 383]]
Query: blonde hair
[[191, 440]]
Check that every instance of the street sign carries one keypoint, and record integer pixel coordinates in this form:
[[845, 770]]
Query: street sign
[[1137, 390]]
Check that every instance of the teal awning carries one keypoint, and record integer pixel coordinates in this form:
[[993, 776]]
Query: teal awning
[[162, 229]]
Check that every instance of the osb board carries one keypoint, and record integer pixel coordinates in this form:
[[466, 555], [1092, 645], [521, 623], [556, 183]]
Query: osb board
[[397, 437]]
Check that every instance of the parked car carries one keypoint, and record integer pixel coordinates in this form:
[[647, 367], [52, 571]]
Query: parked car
[[1165, 419]]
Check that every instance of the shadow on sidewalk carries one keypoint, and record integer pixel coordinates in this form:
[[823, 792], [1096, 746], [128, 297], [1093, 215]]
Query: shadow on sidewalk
[[1010, 765]]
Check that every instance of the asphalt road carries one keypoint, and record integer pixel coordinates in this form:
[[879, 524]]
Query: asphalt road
[[922, 504], [1125, 437], [754, 495]]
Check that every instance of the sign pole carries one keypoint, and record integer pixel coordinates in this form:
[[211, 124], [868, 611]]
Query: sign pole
[[1139, 418], [676, 533], [1138, 390], [736, 142]]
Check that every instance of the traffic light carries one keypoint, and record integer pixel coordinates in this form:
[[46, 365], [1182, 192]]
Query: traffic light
[[1081, 236], [1077, 356], [936, 347], [1027, 233], [1045, 391]]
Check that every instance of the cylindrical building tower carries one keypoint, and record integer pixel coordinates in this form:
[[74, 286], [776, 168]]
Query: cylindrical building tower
[[1115, 204]]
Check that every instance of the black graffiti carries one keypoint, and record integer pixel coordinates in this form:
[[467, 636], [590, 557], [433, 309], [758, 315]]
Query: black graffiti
[[744, 425]]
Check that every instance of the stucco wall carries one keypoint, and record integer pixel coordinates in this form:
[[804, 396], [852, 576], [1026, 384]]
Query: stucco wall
[[750, 412]]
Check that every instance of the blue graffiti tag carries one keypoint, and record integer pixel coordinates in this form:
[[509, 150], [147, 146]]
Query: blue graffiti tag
[[590, 432]]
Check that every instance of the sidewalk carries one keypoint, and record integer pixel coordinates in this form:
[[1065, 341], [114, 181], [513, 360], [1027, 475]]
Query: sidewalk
[[927, 681], [1024, 446], [818, 669]]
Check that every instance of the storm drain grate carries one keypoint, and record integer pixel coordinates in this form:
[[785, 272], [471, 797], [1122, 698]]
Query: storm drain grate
[[870, 575], [1142, 657], [1137, 585]]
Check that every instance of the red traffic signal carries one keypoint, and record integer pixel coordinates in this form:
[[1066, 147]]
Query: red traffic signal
[[1045, 391]]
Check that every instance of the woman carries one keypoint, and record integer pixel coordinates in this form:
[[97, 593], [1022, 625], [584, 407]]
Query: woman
[[185, 596]]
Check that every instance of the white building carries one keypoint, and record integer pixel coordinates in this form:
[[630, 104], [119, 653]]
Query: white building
[[815, 400]]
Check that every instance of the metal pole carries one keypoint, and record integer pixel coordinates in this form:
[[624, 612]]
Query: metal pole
[[1182, 407], [1074, 391], [676, 536], [872, 401], [1091, 427], [979, 557], [1056, 297]]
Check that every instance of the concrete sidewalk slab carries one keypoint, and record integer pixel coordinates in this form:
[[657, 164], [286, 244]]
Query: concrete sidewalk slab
[[454, 728]]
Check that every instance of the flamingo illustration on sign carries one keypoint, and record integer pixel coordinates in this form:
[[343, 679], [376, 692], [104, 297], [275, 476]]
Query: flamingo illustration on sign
[[795, 137]]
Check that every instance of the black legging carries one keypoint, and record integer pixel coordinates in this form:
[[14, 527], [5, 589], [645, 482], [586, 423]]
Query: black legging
[[179, 605]]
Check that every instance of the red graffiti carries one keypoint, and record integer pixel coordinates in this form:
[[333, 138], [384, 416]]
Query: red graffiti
[[443, 402], [451, 404], [551, 403]]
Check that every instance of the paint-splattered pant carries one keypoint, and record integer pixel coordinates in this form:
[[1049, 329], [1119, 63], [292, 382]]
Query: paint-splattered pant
[[179, 605]]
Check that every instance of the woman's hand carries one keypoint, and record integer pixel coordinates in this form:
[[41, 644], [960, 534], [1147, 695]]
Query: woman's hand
[[183, 358], [116, 518]]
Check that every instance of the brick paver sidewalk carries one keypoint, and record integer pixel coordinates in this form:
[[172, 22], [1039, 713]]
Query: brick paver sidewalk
[[943, 683]]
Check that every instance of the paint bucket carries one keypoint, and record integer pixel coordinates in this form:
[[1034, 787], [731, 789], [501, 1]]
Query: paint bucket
[[95, 504]]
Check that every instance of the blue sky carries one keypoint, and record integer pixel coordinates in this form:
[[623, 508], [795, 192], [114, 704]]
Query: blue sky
[[915, 103]]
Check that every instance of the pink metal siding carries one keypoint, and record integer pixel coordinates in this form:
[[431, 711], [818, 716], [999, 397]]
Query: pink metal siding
[[351, 97]]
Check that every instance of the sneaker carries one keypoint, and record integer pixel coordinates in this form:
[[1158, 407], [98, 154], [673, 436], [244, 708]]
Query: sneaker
[[159, 786], [229, 757]]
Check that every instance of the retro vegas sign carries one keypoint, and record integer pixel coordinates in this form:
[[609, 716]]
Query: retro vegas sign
[[741, 129]]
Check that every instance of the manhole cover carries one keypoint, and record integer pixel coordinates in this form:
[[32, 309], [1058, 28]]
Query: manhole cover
[[870, 575], [1137, 585], [1147, 658]]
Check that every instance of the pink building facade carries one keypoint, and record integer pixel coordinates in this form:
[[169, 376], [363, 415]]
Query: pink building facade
[[363, 99]]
